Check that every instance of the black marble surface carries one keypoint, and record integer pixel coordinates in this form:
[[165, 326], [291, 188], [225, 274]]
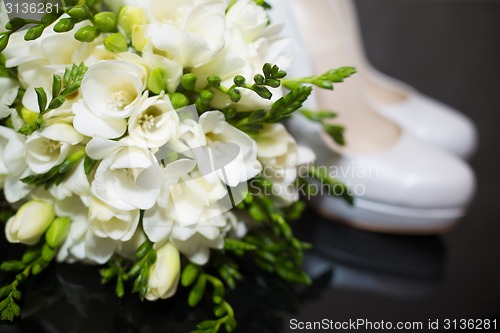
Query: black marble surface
[[447, 49]]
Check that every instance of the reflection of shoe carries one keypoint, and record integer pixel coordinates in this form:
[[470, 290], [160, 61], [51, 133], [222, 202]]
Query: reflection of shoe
[[423, 117], [397, 266], [400, 183]]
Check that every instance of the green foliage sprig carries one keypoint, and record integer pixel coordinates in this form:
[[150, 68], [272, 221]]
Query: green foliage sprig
[[62, 88], [56, 174], [324, 81], [121, 271], [34, 261], [281, 110], [78, 11], [195, 276]]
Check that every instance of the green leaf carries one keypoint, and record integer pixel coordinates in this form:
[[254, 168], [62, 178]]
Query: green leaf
[[262, 91], [57, 102], [4, 292], [336, 132], [88, 165], [339, 74], [56, 85], [325, 84], [10, 310], [319, 115], [263, 3], [291, 102], [42, 99], [4, 41]]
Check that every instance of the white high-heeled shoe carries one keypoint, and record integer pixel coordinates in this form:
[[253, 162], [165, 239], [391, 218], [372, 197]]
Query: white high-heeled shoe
[[423, 117], [400, 184]]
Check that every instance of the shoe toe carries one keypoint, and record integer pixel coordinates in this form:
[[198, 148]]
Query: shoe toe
[[414, 174]]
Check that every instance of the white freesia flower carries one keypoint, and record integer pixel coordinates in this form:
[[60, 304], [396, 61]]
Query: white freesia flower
[[8, 94], [280, 156], [128, 177], [164, 273], [194, 240], [155, 123], [50, 54], [75, 182], [187, 31], [218, 146], [50, 147], [30, 222], [13, 165], [4, 18], [111, 92], [218, 133], [192, 197], [82, 244], [109, 222], [249, 43], [171, 69], [250, 18]]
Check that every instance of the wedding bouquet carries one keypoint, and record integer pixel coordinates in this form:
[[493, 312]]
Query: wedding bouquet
[[146, 137]]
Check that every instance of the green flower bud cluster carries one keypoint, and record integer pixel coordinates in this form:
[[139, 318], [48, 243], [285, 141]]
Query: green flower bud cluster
[[33, 219]]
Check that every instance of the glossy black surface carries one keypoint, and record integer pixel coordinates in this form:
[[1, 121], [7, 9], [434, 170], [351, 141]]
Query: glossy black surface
[[447, 49]]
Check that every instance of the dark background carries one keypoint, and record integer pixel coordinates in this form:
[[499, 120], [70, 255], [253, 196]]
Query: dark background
[[449, 50]]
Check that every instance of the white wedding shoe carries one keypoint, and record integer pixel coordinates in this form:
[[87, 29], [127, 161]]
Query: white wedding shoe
[[400, 184], [425, 118]]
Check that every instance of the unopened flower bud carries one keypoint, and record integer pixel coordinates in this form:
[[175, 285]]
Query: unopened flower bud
[[30, 222], [179, 100], [57, 232], [164, 274], [116, 43], [65, 24], [86, 34], [156, 81], [79, 12], [139, 39], [188, 81], [129, 17], [105, 21]]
